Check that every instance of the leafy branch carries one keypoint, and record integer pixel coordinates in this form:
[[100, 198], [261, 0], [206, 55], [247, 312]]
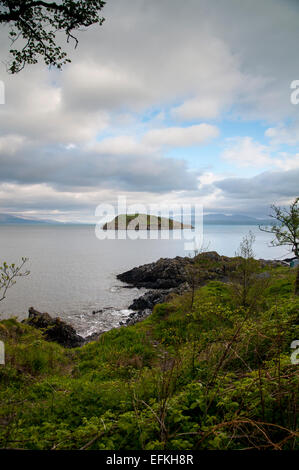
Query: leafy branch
[[8, 275], [37, 22]]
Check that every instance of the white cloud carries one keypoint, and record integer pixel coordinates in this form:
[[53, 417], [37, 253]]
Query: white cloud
[[35, 109], [198, 108], [154, 140], [121, 145], [92, 86], [244, 152], [283, 134], [287, 161], [10, 144], [181, 136]]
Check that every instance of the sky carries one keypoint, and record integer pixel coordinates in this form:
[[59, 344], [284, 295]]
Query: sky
[[167, 102]]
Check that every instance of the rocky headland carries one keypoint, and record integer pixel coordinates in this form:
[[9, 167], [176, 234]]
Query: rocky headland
[[169, 276], [163, 278]]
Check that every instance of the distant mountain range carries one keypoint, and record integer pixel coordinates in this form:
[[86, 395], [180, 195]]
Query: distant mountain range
[[13, 219], [238, 219], [209, 219]]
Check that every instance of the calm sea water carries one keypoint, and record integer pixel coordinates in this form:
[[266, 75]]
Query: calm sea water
[[73, 273]]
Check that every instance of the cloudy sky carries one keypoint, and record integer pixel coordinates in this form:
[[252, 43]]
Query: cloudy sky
[[172, 101]]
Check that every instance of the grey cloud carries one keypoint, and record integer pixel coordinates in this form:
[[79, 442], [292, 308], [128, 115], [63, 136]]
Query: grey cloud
[[152, 55], [76, 170], [224, 53], [158, 53], [272, 185], [255, 195]]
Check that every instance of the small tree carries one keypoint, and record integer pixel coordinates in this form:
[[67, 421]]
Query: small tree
[[286, 230], [37, 23], [244, 276], [193, 275], [8, 275], [194, 271]]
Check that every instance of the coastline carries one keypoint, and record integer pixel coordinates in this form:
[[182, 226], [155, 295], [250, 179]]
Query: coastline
[[162, 280], [63, 395]]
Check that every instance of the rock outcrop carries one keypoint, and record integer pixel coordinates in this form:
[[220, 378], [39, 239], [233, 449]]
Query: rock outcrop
[[174, 275], [164, 277], [149, 299], [168, 273], [136, 317], [54, 329], [162, 274]]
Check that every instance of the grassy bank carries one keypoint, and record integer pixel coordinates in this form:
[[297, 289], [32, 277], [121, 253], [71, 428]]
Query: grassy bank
[[216, 375]]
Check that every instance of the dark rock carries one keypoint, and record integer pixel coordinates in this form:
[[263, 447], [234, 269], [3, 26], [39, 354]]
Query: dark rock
[[150, 299], [172, 276], [163, 274], [54, 329], [97, 311], [93, 337], [168, 273], [136, 317], [272, 263], [171, 273], [39, 320]]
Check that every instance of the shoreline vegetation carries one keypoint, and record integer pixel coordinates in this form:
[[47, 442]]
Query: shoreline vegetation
[[208, 368], [143, 222]]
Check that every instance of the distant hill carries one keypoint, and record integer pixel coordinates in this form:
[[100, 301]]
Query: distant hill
[[209, 219], [142, 222], [222, 219], [13, 219]]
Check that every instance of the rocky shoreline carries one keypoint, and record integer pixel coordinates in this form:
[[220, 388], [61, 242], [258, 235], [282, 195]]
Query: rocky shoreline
[[169, 276], [163, 278]]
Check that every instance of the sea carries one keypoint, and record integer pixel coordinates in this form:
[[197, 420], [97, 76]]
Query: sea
[[73, 273]]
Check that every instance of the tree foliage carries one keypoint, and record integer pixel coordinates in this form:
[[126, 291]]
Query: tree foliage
[[286, 230], [286, 226], [8, 275], [244, 279], [34, 25]]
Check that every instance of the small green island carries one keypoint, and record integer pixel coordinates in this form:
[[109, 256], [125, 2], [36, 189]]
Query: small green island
[[144, 222]]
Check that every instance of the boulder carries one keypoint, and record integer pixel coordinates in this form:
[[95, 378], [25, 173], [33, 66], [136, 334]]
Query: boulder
[[162, 274], [54, 329], [136, 317], [149, 300]]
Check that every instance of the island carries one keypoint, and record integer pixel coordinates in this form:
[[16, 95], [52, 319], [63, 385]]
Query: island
[[144, 222]]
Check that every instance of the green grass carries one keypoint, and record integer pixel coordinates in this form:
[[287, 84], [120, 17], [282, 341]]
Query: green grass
[[217, 376]]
